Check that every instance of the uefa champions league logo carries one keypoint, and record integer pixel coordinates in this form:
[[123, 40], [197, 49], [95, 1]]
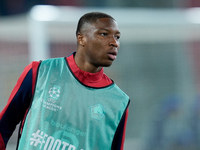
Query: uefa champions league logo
[[54, 92], [50, 101]]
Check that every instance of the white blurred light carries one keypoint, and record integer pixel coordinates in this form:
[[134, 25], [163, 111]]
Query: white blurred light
[[44, 13], [193, 15]]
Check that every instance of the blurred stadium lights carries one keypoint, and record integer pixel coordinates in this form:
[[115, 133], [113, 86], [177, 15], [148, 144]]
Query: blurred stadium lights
[[44, 13], [136, 15], [193, 15], [136, 25]]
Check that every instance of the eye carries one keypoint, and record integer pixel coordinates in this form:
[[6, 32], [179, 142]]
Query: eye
[[118, 37], [104, 34]]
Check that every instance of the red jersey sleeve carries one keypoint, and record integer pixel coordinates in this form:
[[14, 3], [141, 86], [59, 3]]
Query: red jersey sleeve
[[119, 138], [18, 103]]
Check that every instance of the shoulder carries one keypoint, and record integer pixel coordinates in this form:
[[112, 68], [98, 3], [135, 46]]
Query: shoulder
[[56, 61], [120, 91], [32, 65]]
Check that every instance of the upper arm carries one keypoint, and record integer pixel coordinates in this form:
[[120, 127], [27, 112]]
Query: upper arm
[[119, 138], [17, 104]]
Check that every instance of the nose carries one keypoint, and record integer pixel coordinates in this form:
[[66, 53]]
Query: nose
[[114, 42]]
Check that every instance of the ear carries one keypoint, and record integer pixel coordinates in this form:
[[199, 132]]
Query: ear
[[80, 39]]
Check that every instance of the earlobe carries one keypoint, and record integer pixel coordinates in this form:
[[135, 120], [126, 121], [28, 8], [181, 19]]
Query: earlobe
[[80, 39]]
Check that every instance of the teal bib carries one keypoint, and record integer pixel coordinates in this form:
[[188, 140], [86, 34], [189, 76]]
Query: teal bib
[[67, 115]]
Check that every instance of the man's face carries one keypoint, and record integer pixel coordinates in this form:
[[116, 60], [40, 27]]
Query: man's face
[[101, 42]]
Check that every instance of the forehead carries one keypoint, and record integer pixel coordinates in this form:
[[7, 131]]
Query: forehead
[[104, 23]]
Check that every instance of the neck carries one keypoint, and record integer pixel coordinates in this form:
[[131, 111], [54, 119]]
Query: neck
[[84, 65]]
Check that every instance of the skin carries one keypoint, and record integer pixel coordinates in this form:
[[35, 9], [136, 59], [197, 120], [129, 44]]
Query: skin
[[98, 44]]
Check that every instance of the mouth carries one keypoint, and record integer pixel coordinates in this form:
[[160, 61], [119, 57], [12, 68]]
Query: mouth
[[112, 55]]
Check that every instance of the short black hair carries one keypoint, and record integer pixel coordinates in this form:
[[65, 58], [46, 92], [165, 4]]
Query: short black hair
[[90, 17]]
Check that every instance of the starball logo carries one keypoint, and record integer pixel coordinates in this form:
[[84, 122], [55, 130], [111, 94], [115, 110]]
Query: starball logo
[[54, 95], [54, 92]]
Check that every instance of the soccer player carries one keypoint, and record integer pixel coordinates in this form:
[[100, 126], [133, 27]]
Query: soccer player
[[69, 103]]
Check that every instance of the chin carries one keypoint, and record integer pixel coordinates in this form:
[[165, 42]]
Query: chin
[[107, 64]]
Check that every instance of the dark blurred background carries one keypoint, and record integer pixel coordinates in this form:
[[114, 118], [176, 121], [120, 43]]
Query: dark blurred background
[[10, 7]]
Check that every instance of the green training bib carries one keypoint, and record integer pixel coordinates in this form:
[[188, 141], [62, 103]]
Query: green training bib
[[67, 115]]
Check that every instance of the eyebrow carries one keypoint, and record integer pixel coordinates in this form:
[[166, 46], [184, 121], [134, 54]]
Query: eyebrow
[[108, 30]]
